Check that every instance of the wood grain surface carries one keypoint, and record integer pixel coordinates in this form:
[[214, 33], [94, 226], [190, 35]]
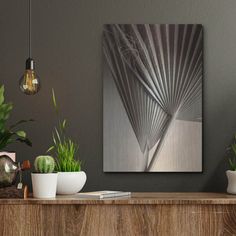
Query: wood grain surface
[[136, 198], [46, 217]]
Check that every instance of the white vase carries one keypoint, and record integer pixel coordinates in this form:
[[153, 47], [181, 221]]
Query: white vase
[[70, 182], [44, 185], [231, 175]]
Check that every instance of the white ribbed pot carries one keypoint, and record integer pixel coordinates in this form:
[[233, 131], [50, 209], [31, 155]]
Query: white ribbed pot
[[70, 182], [44, 185], [231, 175]]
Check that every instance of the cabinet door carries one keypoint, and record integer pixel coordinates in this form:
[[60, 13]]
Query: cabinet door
[[211, 220], [20, 220], [135, 220]]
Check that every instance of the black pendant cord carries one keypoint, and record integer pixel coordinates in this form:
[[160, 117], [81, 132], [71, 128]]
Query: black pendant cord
[[29, 64], [29, 28]]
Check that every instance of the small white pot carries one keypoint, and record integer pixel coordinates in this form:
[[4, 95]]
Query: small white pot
[[231, 175], [44, 185], [70, 182]]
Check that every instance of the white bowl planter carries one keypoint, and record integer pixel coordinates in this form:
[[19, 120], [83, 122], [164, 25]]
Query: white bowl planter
[[44, 185], [70, 182], [231, 175]]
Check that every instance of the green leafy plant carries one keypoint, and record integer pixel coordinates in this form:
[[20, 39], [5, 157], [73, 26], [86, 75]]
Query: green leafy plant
[[44, 164], [10, 134], [232, 152], [64, 148]]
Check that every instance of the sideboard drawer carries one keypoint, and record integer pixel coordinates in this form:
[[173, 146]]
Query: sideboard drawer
[[164, 220]]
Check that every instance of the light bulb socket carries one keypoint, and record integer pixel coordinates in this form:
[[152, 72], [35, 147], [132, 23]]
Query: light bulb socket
[[29, 64]]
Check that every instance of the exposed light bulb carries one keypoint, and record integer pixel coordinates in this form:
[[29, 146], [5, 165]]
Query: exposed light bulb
[[29, 82]]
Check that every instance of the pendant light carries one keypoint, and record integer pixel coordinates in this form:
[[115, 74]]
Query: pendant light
[[29, 82]]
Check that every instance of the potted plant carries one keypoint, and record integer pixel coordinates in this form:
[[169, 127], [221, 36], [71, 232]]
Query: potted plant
[[44, 181], [231, 174], [9, 134], [70, 177]]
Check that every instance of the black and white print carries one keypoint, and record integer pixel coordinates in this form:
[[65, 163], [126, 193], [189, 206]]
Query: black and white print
[[152, 77]]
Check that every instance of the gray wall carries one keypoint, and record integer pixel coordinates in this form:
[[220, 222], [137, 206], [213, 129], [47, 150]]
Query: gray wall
[[67, 49]]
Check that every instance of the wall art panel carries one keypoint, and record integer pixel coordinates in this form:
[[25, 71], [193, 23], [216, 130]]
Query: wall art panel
[[152, 97]]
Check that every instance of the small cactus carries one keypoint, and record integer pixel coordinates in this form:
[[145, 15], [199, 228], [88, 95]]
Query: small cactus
[[44, 164]]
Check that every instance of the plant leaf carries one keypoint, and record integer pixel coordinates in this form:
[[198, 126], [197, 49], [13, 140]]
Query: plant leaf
[[64, 124], [58, 135], [25, 140], [1, 94], [54, 100], [50, 149], [20, 122], [233, 146], [21, 133]]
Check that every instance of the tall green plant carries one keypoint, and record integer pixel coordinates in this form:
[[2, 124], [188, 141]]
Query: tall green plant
[[9, 134], [232, 152], [64, 148]]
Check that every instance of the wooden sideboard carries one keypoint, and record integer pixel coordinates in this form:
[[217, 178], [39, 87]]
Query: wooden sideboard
[[143, 214]]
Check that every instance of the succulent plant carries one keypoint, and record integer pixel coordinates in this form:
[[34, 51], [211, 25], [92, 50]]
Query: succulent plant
[[44, 164]]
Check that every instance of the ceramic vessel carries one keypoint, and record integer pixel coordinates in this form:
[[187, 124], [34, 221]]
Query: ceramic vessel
[[70, 182], [44, 185], [231, 175]]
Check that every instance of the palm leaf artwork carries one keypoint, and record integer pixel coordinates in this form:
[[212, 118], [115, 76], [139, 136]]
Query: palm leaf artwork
[[157, 70], [10, 134]]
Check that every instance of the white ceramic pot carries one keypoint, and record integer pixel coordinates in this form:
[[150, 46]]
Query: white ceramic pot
[[44, 185], [231, 175], [70, 182]]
